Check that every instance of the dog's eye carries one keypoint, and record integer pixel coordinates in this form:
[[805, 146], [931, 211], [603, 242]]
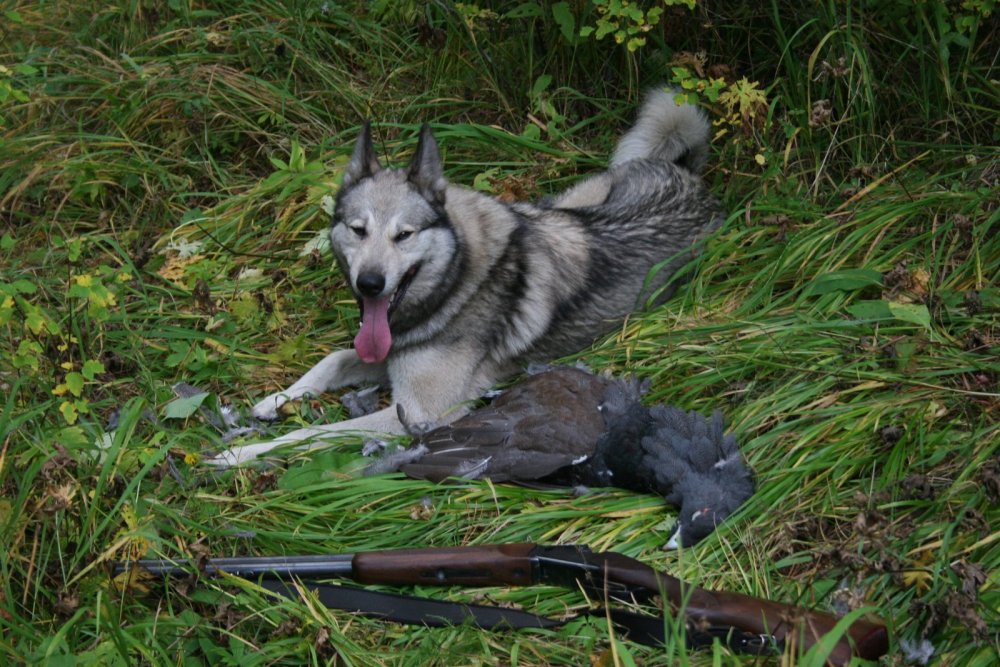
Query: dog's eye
[[402, 236], [359, 231]]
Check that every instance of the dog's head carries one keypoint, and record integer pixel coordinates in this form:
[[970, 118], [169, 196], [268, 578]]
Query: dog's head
[[393, 240]]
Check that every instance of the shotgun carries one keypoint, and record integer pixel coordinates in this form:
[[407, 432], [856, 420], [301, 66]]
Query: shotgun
[[610, 574]]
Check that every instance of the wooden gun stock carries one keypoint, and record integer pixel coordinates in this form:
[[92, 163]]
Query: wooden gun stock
[[786, 623]]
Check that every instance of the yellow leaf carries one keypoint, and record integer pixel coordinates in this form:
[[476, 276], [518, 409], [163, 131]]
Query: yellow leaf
[[86, 280], [128, 514], [60, 389], [221, 348], [68, 411], [173, 268], [919, 579], [66, 365], [760, 159]]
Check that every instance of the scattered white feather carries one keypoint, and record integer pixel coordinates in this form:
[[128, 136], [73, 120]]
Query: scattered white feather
[[184, 248], [249, 273], [722, 463], [374, 446], [327, 204], [319, 243], [229, 415], [917, 652], [102, 444]]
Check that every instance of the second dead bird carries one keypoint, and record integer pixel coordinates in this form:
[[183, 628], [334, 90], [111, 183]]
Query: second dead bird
[[567, 426]]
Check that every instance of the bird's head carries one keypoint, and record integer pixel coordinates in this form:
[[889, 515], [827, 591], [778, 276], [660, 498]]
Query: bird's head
[[706, 503]]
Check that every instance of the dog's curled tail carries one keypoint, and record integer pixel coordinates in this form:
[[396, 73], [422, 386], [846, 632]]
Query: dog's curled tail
[[666, 130]]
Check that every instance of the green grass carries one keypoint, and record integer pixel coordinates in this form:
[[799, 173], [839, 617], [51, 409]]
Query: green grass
[[846, 318]]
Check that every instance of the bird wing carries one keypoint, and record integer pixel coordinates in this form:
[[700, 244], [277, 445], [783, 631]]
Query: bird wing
[[549, 421]]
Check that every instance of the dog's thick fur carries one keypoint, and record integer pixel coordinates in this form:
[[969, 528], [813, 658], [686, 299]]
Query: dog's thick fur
[[459, 290]]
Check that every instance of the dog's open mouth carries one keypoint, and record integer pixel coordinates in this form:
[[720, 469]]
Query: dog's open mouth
[[375, 338]]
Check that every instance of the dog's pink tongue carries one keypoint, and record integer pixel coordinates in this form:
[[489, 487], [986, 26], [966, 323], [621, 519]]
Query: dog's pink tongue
[[374, 339]]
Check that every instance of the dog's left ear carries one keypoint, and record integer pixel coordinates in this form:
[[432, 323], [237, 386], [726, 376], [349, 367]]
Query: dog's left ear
[[425, 170]]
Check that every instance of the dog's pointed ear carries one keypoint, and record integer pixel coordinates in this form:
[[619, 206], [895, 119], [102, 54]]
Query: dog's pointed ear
[[364, 162], [425, 170]]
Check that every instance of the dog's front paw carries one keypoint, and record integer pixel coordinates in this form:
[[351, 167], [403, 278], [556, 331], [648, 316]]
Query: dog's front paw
[[238, 456], [269, 409]]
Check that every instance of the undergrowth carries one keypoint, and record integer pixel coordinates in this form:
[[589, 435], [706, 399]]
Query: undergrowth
[[163, 169]]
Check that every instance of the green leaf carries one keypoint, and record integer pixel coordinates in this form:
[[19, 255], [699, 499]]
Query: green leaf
[[182, 408], [846, 280], [244, 308], [870, 310], [179, 352], [6, 242], [298, 478], [73, 437], [24, 286], [323, 466], [525, 10], [35, 321], [91, 368], [192, 214], [28, 354], [541, 83], [74, 248], [915, 313], [482, 181], [567, 22], [289, 350], [604, 28], [635, 43], [75, 382]]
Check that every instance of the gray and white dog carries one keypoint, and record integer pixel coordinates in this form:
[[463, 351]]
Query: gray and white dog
[[459, 290]]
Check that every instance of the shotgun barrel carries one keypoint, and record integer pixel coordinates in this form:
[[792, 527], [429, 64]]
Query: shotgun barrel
[[282, 567]]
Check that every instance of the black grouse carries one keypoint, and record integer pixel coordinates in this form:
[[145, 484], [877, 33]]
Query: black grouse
[[567, 426]]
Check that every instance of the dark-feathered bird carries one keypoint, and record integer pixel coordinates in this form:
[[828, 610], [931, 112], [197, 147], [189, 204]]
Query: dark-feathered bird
[[567, 426]]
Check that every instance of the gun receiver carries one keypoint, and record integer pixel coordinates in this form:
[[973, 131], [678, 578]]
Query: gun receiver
[[609, 573]]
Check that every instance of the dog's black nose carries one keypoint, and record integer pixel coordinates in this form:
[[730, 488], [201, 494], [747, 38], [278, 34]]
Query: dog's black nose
[[371, 283]]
